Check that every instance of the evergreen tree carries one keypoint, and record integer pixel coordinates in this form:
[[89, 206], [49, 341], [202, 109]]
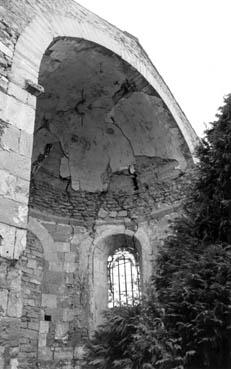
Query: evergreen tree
[[193, 277]]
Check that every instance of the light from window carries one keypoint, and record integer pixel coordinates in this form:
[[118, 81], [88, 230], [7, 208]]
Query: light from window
[[123, 278]]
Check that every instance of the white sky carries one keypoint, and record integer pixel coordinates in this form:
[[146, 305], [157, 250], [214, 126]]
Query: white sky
[[189, 43]]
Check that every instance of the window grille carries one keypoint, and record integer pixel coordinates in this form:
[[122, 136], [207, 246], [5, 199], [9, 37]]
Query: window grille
[[123, 278]]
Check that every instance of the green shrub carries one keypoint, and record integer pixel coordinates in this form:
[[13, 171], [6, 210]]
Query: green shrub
[[193, 278], [133, 338]]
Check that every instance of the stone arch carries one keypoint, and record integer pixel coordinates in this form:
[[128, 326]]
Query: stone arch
[[44, 29], [44, 237], [100, 254]]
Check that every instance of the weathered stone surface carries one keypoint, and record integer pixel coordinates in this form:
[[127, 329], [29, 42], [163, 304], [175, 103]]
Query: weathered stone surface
[[49, 300], [26, 144], [15, 303], [9, 139], [7, 184], [22, 189], [13, 213], [62, 246], [7, 241], [20, 242], [3, 302], [16, 113], [16, 164]]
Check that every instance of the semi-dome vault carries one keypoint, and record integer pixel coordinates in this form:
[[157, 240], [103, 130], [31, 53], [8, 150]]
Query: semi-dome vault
[[94, 156], [98, 116]]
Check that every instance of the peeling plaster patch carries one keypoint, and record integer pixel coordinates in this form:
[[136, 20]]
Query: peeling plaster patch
[[64, 168]]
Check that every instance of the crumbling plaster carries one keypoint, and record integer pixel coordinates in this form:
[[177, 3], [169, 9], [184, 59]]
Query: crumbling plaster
[[101, 114]]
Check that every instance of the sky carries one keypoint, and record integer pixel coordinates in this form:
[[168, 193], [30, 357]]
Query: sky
[[189, 43]]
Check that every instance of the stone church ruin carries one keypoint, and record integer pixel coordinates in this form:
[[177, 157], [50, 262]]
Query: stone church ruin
[[93, 154]]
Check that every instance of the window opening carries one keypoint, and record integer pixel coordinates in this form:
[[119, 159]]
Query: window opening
[[123, 278]]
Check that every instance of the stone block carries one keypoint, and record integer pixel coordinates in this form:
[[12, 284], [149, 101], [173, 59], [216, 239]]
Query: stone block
[[102, 213], [17, 113], [63, 354], [18, 92], [3, 302], [20, 243], [45, 353], [6, 50], [33, 325], [14, 363], [70, 257], [49, 300], [63, 233], [52, 281], [61, 331], [15, 164], [26, 144], [2, 361], [70, 267], [13, 213], [62, 246], [7, 241], [10, 138], [44, 327], [14, 308], [32, 263], [122, 213], [56, 266], [14, 279], [7, 184], [113, 214], [42, 340], [68, 315], [22, 190]]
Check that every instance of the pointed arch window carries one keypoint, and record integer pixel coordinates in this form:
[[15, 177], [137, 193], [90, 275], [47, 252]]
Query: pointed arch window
[[123, 277]]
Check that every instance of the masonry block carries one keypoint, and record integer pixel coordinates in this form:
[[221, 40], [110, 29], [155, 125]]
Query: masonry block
[[22, 190], [7, 184], [13, 213], [20, 242], [9, 138], [7, 241], [15, 304], [49, 300], [26, 144], [3, 302], [44, 327], [61, 331], [17, 113], [62, 246], [16, 164]]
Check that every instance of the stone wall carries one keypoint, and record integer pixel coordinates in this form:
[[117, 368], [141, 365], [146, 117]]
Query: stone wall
[[47, 302]]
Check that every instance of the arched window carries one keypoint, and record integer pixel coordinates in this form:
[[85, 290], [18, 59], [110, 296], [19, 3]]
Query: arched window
[[118, 273], [123, 277]]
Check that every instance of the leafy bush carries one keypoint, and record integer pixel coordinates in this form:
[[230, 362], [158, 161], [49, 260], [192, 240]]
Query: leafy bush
[[133, 338], [194, 267]]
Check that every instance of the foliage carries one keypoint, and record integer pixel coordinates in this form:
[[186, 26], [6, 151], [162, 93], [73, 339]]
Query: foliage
[[193, 279], [133, 338]]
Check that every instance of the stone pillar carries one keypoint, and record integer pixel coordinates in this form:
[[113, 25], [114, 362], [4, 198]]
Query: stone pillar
[[17, 113]]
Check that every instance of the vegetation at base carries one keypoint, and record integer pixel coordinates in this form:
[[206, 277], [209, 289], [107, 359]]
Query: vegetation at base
[[133, 338], [185, 319]]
